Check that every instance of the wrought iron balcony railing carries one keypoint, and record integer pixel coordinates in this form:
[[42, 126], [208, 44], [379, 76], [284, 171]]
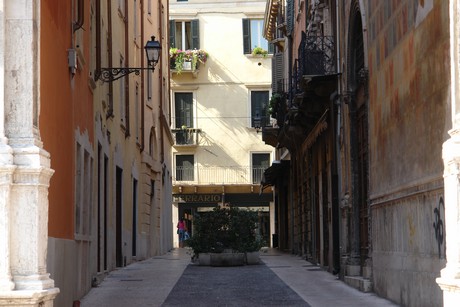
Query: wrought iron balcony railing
[[316, 55], [186, 136], [218, 175]]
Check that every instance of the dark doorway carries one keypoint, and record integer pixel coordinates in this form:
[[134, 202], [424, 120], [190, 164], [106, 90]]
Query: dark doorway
[[99, 205], [106, 205], [118, 218], [134, 227]]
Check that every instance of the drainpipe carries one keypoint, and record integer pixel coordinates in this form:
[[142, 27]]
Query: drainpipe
[[355, 254], [338, 103]]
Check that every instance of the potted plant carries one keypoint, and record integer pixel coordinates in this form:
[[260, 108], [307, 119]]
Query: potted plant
[[259, 51], [273, 104], [187, 59], [225, 236]]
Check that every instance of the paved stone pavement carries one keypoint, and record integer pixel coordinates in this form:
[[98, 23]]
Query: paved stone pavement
[[254, 285], [172, 280]]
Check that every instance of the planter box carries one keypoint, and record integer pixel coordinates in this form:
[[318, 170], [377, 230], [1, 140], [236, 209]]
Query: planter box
[[204, 259], [227, 259], [187, 66], [252, 258]]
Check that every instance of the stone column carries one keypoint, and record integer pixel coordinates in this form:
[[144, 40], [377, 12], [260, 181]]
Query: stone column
[[24, 183], [450, 275], [6, 172]]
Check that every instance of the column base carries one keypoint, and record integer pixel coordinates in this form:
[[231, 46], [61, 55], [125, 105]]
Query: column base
[[33, 282], [28, 298], [451, 290], [6, 285]]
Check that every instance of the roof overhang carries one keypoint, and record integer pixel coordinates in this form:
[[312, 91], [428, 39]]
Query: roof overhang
[[271, 12]]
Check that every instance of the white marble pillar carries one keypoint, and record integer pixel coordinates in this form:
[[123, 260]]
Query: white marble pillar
[[26, 172], [6, 172], [450, 275]]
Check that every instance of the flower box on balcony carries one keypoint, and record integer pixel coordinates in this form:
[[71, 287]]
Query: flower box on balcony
[[186, 60], [187, 65]]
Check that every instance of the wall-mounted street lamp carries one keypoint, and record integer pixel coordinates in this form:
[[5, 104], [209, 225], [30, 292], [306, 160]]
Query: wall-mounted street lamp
[[110, 74]]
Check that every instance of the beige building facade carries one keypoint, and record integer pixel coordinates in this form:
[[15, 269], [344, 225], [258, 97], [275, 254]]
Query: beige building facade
[[218, 108], [132, 135], [85, 160]]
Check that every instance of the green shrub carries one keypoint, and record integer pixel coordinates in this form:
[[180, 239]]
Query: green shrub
[[225, 228]]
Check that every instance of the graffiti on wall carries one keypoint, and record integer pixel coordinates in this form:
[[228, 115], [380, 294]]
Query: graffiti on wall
[[438, 225]]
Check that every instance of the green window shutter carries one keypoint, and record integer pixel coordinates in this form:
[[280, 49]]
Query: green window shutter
[[172, 33], [195, 34], [270, 48], [184, 110], [259, 103], [290, 16], [277, 73], [246, 36]]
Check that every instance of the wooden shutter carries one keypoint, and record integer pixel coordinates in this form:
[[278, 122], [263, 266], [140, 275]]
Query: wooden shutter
[[246, 36], [184, 109], [277, 73], [290, 16], [172, 33], [259, 103], [195, 34]]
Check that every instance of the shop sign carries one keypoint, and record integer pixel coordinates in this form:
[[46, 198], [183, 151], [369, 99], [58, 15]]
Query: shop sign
[[199, 198]]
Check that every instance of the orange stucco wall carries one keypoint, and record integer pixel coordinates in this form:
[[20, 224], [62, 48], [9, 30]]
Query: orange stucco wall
[[65, 105]]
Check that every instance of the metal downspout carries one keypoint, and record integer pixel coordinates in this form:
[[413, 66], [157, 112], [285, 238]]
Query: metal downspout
[[338, 102]]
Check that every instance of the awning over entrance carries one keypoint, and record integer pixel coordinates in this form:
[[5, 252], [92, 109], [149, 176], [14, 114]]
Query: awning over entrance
[[273, 172]]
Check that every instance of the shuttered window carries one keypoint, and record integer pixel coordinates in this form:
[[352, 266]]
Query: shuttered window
[[252, 36], [277, 73], [290, 16], [259, 103], [260, 162], [184, 35], [185, 167], [184, 109]]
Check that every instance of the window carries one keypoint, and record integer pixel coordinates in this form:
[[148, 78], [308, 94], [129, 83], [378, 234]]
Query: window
[[185, 167], [260, 162], [136, 22], [183, 109], [259, 109], [184, 34], [121, 8], [83, 191], [183, 116], [122, 96], [137, 108], [252, 36]]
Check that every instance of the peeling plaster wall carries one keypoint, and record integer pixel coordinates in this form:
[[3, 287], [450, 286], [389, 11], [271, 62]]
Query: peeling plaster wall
[[409, 116]]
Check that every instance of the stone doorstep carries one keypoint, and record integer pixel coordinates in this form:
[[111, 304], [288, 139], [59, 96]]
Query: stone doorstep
[[360, 283], [353, 270]]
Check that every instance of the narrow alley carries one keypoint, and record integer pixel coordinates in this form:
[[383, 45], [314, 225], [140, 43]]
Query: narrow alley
[[173, 280]]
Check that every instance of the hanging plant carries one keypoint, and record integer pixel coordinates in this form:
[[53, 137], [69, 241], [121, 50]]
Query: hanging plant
[[259, 51], [179, 57], [274, 103]]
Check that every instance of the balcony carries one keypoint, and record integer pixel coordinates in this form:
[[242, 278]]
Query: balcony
[[186, 137], [316, 55], [216, 175], [187, 61], [314, 72]]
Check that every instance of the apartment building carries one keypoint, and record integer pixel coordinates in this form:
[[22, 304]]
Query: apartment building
[[363, 113], [219, 98], [85, 144]]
